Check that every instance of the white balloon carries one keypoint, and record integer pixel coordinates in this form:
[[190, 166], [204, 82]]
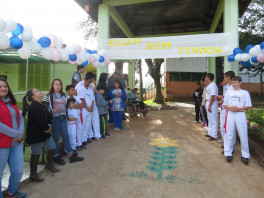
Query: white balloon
[[4, 41], [102, 65], [59, 43], [27, 34], [10, 26], [253, 52], [3, 25], [238, 57], [64, 55], [79, 62], [97, 56], [81, 57], [88, 56], [71, 50], [245, 57], [96, 64], [24, 52], [102, 52], [47, 53]]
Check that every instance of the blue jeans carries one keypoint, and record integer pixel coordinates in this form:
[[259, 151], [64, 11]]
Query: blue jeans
[[59, 125], [15, 158], [118, 117], [203, 115]]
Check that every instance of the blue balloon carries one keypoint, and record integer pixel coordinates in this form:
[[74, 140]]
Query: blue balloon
[[254, 59], [247, 64], [44, 41], [101, 59], [19, 30], [262, 45], [94, 52], [242, 62], [85, 63], [15, 42], [88, 51], [73, 57], [248, 48], [231, 58], [237, 51]]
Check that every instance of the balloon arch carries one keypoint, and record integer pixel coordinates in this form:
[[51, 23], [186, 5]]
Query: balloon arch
[[50, 46], [252, 55]]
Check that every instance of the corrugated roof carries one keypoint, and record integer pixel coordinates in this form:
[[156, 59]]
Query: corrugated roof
[[164, 17]]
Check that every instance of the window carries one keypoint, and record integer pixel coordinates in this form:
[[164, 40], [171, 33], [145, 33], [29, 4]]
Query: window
[[186, 76], [38, 76]]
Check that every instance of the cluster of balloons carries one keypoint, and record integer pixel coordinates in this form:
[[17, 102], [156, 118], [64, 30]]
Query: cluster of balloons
[[252, 55], [50, 46]]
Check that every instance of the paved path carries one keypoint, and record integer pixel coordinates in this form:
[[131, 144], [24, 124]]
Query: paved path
[[116, 167]]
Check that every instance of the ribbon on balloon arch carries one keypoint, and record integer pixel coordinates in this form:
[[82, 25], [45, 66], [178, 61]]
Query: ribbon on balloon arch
[[252, 55], [50, 46]]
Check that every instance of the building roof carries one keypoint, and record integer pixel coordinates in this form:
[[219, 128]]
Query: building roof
[[163, 16]]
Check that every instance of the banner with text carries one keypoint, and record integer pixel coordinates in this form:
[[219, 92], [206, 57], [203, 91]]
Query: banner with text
[[201, 45]]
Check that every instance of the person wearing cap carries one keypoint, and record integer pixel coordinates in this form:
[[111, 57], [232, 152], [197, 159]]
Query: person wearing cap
[[196, 99], [76, 77]]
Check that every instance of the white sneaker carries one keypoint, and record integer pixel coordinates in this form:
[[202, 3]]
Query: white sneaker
[[220, 141], [116, 129], [195, 121], [205, 129]]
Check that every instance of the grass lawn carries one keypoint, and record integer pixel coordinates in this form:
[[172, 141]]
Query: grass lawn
[[152, 103]]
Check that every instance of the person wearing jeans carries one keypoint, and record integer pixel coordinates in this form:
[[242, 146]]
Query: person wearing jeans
[[56, 102], [11, 133]]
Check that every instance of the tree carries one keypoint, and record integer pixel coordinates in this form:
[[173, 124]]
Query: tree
[[139, 64], [253, 18], [90, 27], [154, 71], [252, 32]]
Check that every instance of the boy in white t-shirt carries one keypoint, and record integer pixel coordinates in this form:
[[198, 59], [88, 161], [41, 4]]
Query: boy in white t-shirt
[[236, 102], [211, 107]]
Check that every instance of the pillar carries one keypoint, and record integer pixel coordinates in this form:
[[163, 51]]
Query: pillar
[[211, 66], [231, 25], [103, 31], [131, 74]]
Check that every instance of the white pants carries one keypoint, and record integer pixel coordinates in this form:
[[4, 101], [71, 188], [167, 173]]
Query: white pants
[[79, 131], [222, 123], [212, 119], [95, 130], [87, 119], [72, 130], [236, 120]]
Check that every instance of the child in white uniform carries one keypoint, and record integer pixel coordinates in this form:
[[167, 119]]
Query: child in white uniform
[[237, 101], [211, 107], [72, 122], [78, 106], [86, 96]]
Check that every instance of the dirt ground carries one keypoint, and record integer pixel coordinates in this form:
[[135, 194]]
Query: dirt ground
[[119, 166]]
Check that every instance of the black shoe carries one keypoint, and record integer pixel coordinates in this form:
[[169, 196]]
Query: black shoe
[[89, 141], [75, 159], [93, 138], [229, 159], [84, 144], [244, 160], [107, 135], [212, 139], [83, 147], [59, 160], [222, 146], [207, 135], [102, 137], [74, 152]]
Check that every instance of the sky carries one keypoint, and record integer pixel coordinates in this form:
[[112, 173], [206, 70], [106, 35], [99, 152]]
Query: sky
[[59, 17]]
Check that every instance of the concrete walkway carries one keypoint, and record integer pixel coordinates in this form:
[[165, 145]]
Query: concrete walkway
[[126, 165]]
